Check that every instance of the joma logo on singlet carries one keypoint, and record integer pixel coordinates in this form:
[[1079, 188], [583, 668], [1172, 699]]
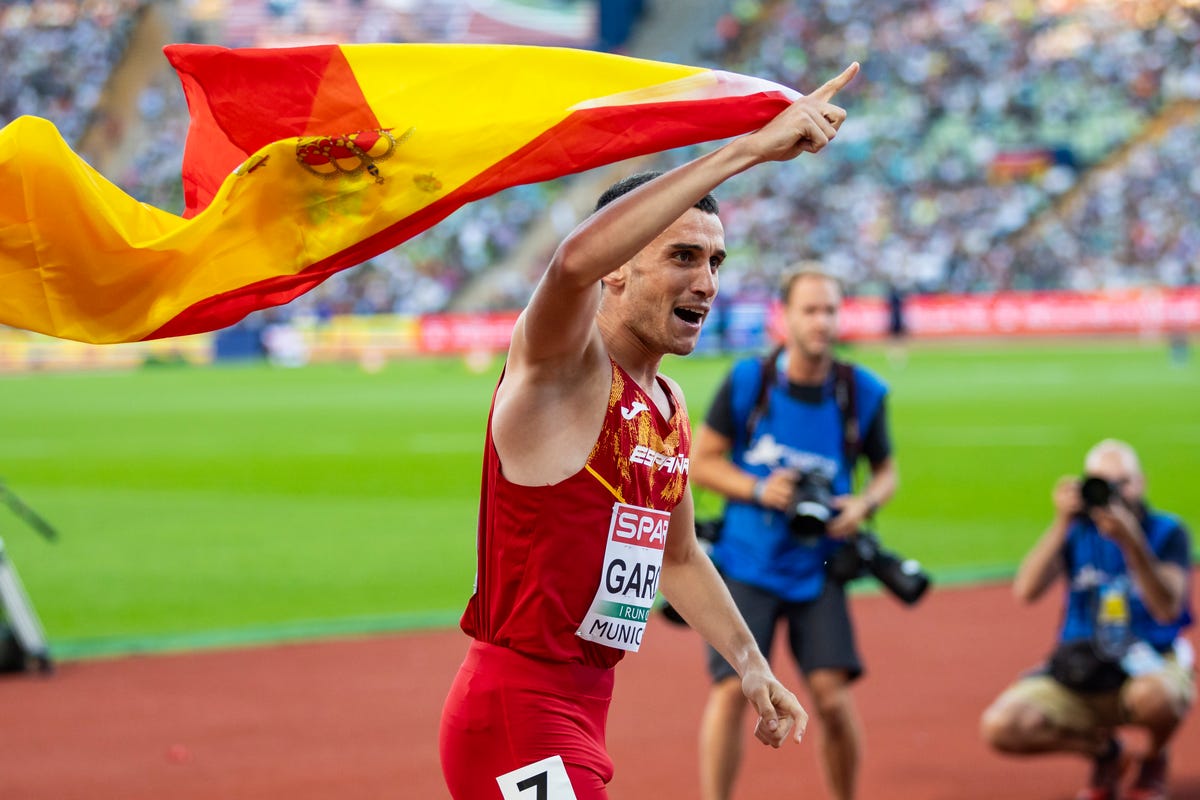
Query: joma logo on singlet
[[631, 412], [652, 458], [641, 526]]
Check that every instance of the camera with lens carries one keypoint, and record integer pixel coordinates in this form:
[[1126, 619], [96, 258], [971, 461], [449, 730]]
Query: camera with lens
[[1097, 492], [808, 513], [863, 555], [811, 505]]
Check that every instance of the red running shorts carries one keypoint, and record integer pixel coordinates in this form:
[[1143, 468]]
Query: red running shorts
[[506, 711]]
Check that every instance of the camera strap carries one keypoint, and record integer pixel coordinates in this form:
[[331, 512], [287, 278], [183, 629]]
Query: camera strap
[[843, 394]]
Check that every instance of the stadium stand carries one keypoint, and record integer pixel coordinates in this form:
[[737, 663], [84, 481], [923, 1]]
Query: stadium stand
[[56, 57], [992, 145], [1131, 219], [970, 120], [974, 124]]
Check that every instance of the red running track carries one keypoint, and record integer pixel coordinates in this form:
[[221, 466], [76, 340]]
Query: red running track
[[358, 718]]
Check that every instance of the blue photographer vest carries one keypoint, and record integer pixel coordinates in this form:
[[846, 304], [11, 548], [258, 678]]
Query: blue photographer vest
[[755, 546], [1095, 565]]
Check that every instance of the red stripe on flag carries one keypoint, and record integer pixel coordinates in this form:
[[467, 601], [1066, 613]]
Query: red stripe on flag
[[312, 83], [586, 139]]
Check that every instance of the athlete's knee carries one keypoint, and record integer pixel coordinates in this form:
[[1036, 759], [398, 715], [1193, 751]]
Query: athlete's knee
[[837, 718], [1007, 726], [831, 699], [1148, 700]]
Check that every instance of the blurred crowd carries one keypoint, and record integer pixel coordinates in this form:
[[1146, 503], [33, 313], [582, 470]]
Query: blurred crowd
[[972, 121], [992, 145], [56, 56], [1136, 223]]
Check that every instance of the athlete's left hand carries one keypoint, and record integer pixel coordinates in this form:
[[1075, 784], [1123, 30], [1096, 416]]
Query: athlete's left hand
[[779, 712]]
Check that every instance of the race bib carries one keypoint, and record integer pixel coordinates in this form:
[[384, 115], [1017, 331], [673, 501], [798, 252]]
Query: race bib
[[629, 581], [543, 780]]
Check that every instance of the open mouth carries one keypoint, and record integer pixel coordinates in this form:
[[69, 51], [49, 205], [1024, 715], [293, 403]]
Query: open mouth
[[690, 315]]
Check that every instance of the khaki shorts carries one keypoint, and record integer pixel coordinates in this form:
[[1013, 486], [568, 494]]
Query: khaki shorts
[[1085, 713]]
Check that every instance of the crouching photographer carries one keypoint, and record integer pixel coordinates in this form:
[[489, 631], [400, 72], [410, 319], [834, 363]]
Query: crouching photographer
[[780, 443], [1120, 657]]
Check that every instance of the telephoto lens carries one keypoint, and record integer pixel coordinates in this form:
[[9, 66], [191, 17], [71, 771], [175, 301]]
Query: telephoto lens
[[903, 577]]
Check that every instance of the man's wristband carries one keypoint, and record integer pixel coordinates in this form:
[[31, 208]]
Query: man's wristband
[[760, 486]]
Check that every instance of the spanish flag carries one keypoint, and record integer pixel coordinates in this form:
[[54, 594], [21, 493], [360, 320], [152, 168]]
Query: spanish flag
[[301, 162]]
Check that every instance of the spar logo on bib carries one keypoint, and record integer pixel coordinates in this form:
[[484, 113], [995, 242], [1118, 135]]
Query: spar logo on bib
[[633, 559], [641, 526]]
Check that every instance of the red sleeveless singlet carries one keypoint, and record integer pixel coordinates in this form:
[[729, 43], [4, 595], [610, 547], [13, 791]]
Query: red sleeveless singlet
[[541, 548]]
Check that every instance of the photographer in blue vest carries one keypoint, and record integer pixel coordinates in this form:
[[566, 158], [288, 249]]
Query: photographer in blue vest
[[1120, 658], [780, 443]]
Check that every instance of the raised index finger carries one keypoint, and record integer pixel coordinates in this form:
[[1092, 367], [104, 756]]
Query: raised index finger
[[835, 85]]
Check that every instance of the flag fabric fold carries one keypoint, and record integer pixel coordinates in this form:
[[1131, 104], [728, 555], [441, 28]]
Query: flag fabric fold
[[301, 162]]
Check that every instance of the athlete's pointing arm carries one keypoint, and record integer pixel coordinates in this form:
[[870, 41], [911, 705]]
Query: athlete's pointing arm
[[557, 376], [557, 326]]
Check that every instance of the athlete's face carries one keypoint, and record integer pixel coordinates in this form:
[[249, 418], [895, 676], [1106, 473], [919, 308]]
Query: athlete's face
[[668, 287], [811, 313]]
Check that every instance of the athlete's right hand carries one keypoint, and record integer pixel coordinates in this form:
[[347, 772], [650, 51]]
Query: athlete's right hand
[[805, 126], [779, 712]]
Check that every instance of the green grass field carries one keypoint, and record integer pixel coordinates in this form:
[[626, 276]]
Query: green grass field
[[243, 503]]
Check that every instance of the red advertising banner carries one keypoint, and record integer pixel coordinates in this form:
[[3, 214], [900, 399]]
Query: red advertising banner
[[1143, 311], [377, 339], [465, 333]]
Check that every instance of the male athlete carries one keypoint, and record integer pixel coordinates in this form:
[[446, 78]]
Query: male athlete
[[585, 511]]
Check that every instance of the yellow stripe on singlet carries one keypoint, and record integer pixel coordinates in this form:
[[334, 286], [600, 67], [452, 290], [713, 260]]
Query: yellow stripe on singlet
[[615, 492]]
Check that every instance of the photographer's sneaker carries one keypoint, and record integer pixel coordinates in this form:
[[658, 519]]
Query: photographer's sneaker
[[1106, 774], [1151, 783]]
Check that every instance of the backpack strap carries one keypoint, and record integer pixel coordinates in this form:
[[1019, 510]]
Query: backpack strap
[[767, 377], [846, 396]]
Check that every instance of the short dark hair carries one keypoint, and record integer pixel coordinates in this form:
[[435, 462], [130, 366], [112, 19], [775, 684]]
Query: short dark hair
[[707, 204]]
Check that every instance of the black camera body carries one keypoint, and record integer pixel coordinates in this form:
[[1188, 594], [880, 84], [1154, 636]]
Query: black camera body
[[811, 506], [808, 513], [1096, 492], [863, 555]]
